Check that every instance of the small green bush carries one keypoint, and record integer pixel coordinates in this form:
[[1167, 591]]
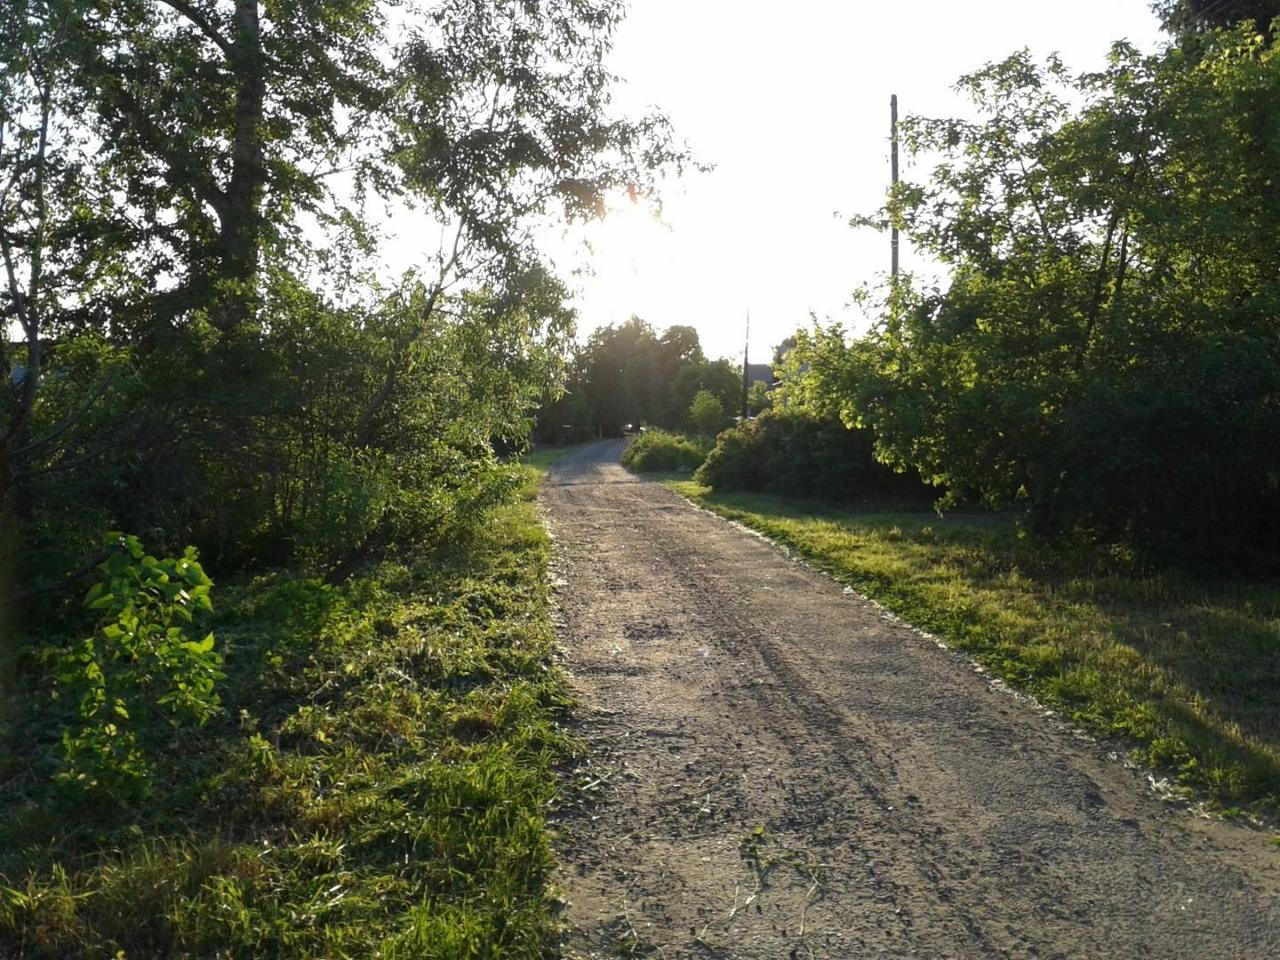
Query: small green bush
[[706, 413], [140, 673], [657, 451], [800, 455]]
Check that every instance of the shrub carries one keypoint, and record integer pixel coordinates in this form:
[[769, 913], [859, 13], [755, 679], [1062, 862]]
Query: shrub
[[140, 673], [706, 413], [802, 455], [658, 451]]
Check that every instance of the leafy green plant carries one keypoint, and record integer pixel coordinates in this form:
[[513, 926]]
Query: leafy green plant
[[800, 454], [657, 451], [379, 786], [706, 413], [140, 672]]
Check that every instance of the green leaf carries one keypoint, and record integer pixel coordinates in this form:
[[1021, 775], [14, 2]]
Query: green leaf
[[14, 898], [203, 646]]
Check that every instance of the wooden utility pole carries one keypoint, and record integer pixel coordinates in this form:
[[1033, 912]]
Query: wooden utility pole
[[893, 168], [746, 348]]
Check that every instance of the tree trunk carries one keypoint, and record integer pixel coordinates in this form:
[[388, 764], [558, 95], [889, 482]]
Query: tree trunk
[[240, 217]]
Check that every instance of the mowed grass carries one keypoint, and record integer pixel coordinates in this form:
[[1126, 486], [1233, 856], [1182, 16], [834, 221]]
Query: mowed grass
[[1183, 666], [377, 788]]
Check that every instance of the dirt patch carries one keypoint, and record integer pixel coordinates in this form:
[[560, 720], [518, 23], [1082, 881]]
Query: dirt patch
[[779, 769]]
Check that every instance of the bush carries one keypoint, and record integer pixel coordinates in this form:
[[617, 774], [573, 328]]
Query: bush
[[1176, 456], [801, 455], [140, 674], [659, 451], [706, 413]]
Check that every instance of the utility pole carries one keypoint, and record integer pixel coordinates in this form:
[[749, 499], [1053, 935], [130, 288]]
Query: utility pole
[[746, 348], [893, 168]]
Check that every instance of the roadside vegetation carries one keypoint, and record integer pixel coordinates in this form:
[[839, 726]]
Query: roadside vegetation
[[629, 376], [274, 674], [375, 785], [1182, 664], [1103, 356], [661, 451], [800, 454]]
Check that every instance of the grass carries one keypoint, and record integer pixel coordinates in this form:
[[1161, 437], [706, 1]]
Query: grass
[[1183, 667], [377, 787], [542, 458]]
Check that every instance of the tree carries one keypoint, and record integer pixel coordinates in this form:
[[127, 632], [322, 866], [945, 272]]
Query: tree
[[64, 264], [631, 374], [720, 377], [1105, 351], [781, 350], [1189, 18], [706, 414], [759, 397], [186, 181], [615, 364]]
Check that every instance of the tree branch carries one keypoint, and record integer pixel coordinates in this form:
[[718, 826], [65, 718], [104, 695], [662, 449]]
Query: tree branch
[[1099, 282], [67, 422], [155, 140], [200, 21], [26, 302], [364, 428]]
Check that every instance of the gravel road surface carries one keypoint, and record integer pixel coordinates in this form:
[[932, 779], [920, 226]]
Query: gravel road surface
[[777, 769]]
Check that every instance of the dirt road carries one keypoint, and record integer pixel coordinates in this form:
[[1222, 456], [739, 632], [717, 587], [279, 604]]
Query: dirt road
[[779, 770]]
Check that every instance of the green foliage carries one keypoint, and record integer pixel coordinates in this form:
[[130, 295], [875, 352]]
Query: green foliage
[[279, 403], [1190, 20], [140, 671], [720, 378], [621, 375], [208, 353], [1105, 354], [631, 375], [802, 455], [706, 414], [659, 451], [566, 418], [377, 784], [760, 397]]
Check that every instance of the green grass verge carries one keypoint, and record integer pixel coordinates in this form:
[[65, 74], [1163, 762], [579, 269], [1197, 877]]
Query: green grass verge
[[377, 787], [542, 458], [1184, 667]]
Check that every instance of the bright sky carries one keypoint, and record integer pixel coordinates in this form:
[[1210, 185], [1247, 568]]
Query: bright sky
[[791, 103]]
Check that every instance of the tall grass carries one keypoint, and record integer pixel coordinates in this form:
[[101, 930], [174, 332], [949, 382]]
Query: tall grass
[[377, 787]]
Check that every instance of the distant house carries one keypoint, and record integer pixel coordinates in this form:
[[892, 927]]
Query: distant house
[[759, 373]]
